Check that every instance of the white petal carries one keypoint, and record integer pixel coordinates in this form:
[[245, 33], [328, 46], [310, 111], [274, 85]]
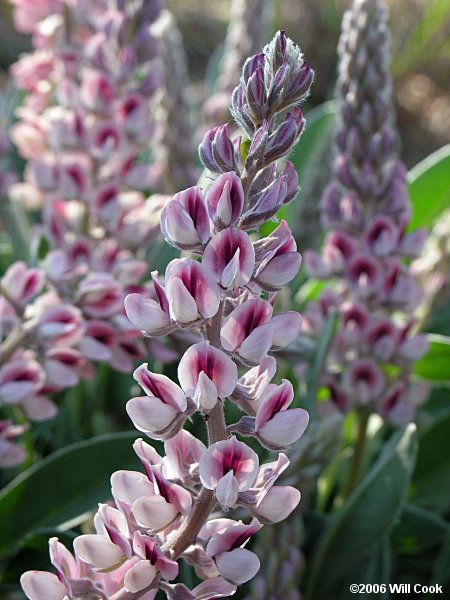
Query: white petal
[[238, 566], [140, 576], [98, 551], [39, 585]]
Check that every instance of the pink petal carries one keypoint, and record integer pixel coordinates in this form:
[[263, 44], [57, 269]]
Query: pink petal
[[225, 456], [203, 357], [98, 551], [182, 306], [257, 344], [284, 428], [153, 512], [140, 576], [277, 504], [145, 314], [242, 320], [230, 257], [39, 585], [39, 408], [149, 414], [286, 328], [205, 395], [160, 386], [227, 490], [238, 566], [274, 401], [128, 486]]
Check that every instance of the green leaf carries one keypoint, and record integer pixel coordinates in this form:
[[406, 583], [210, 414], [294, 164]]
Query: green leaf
[[441, 570], [418, 530], [431, 480], [365, 518], [435, 365], [315, 371], [429, 188], [63, 486]]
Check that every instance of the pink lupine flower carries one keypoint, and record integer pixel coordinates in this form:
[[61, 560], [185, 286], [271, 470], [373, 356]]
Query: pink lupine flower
[[364, 275], [109, 547], [152, 562], [267, 502], [99, 295], [278, 259], [252, 385], [206, 374], [183, 454], [61, 325], [363, 379], [381, 236], [338, 249], [247, 331], [400, 402], [151, 316], [22, 283], [64, 366], [167, 502], [20, 379], [228, 467], [225, 200], [184, 220], [11, 454], [98, 340], [230, 257], [191, 291], [275, 426], [235, 563], [159, 414]]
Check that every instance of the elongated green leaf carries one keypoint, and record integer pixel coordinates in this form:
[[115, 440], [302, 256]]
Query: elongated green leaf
[[435, 365], [429, 188], [365, 518], [431, 480], [63, 486], [315, 371], [418, 530]]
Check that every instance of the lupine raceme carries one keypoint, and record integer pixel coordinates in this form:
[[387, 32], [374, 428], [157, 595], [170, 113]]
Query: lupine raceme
[[224, 294], [82, 127], [368, 247]]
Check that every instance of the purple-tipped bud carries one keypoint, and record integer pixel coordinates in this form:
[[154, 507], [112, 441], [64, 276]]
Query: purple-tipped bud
[[225, 200]]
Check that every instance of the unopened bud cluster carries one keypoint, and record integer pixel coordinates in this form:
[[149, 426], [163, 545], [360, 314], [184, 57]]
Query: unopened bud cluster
[[368, 247], [224, 294]]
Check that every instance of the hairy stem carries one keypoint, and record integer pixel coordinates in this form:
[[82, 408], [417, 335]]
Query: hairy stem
[[12, 343]]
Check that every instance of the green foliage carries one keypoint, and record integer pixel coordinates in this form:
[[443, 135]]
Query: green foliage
[[431, 480], [428, 40], [429, 188], [365, 518], [435, 365]]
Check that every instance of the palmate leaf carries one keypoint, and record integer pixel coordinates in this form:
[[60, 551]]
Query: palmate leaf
[[366, 517], [63, 486]]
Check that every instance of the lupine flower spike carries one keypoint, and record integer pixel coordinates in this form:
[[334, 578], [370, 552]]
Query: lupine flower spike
[[163, 515], [366, 210]]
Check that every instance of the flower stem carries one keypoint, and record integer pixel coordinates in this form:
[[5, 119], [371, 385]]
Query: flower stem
[[358, 455]]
